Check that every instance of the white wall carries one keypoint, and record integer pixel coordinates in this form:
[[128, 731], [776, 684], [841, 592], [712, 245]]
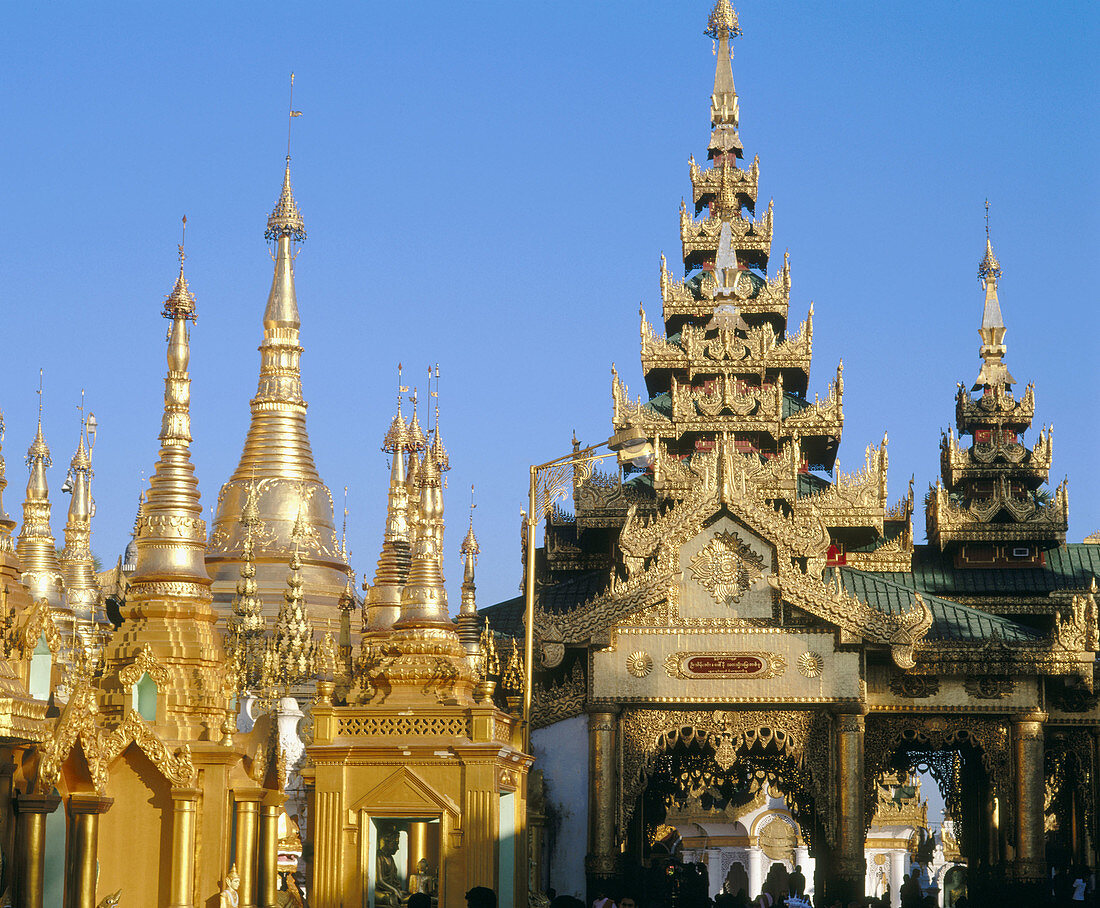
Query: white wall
[[561, 752]]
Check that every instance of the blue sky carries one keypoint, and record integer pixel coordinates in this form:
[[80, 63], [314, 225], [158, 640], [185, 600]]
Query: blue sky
[[489, 186]]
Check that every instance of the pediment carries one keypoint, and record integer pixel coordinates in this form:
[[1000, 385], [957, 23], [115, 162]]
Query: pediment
[[405, 792]]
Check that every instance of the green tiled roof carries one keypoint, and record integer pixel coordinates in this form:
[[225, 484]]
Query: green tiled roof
[[662, 403], [808, 483], [1068, 567], [507, 617], [950, 621], [792, 403]]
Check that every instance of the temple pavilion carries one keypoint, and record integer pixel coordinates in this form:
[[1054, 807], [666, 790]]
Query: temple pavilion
[[727, 614]]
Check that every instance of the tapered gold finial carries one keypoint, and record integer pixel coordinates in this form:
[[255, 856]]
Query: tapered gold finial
[[722, 22], [994, 373], [180, 303]]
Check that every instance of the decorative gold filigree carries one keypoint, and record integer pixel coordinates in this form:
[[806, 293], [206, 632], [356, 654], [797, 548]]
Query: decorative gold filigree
[[726, 567], [145, 662], [639, 664], [811, 665]]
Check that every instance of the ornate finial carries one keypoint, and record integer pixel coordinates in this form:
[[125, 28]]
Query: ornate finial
[[180, 303], [469, 544], [722, 22], [439, 453], [988, 267], [993, 372], [398, 432], [285, 219], [415, 440], [39, 451]]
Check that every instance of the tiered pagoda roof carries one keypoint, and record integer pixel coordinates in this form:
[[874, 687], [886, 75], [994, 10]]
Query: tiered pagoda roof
[[724, 369], [990, 508]]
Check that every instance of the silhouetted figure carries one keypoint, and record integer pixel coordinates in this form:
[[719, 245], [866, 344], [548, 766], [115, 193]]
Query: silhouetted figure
[[796, 882], [481, 897]]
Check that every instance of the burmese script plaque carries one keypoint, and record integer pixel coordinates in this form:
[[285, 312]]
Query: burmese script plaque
[[748, 665]]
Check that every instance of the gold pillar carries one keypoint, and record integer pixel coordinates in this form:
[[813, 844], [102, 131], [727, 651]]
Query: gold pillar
[[28, 884], [7, 811], [182, 883], [267, 877], [82, 848], [1027, 741], [327, 848], [247, 814], [849, 863], [600, 863]]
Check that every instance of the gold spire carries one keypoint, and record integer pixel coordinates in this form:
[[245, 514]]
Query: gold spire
[[6, 523], [36, 547], [467, 611], [277, 449], [77, 563], [424, 597], [994, 373], [384, 596], [439, 453], [722, 26], [172, 540]]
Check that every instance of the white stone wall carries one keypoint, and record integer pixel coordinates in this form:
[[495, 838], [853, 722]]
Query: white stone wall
[[561, 752]]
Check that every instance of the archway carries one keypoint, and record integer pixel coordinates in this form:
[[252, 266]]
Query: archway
[[710, 770], [970, 764]]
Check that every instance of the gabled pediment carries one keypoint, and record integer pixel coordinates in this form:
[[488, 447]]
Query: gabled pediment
[[405, 792]]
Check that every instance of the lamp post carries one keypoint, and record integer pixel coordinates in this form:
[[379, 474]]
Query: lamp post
[[549, 483]]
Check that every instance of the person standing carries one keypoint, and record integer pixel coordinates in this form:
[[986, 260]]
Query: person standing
[[796, 882]]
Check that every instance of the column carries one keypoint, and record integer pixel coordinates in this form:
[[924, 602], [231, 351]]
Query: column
[[182, 883], [1027, 741], [267, 876], [898, 869], [82, 848], [849, 864], [7, 810], [802, 859], [327, 848], [600, 862], [246, 807], [755, 870], [30, 849]]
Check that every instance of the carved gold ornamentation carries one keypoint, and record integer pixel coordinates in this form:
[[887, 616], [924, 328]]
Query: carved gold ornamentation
[[639, 664], [145, 662], [989, 688], [914, 687], [559, 701], [811, 665], [726, 567]]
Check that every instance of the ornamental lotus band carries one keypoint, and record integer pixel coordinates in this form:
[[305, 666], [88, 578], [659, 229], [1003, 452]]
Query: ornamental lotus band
[[730, 651]]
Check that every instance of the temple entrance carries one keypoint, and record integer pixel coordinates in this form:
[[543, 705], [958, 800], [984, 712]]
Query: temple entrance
[[970, 766], [726, 804]]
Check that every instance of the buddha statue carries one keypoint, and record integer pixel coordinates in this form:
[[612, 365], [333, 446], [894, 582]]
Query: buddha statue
[[387, 884], [423, 880]]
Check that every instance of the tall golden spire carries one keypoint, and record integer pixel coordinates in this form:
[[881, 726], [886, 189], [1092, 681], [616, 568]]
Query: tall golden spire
[[172, 540], [77, 564], [722, 25], [36, 547], [277, 451], [167, 608], [6, 523], [994, 373], [384, 595], [467, 611]]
